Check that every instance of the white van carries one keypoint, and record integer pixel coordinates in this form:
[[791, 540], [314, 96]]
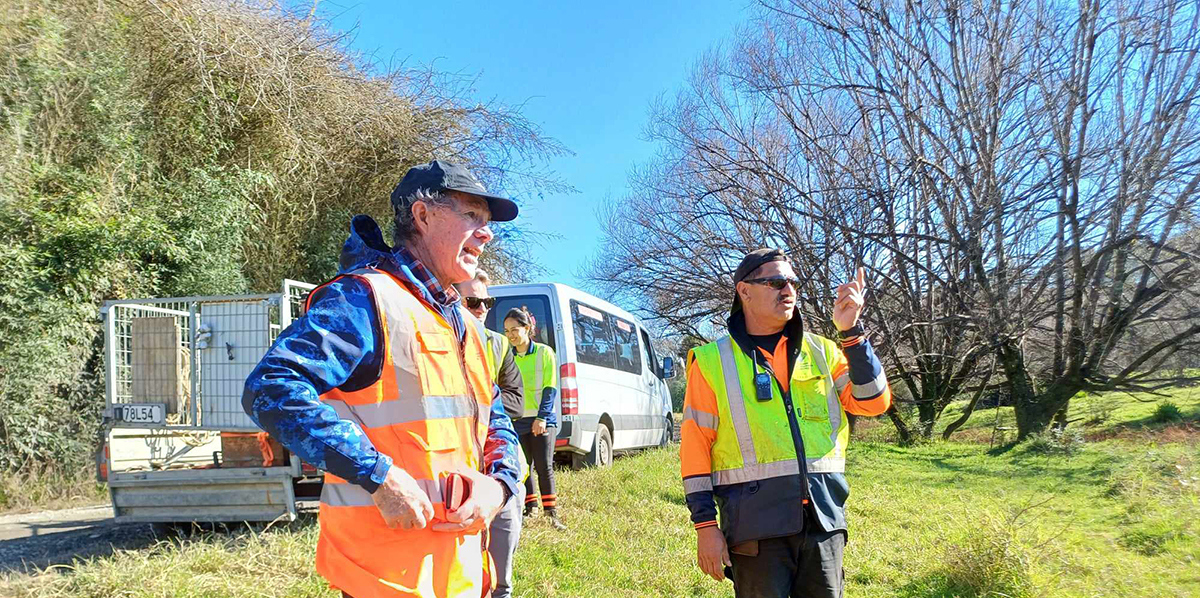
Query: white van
[[612, 385]]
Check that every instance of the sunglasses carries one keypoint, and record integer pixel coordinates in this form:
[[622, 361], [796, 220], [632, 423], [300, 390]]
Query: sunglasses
[[475, 302], [776, 282]]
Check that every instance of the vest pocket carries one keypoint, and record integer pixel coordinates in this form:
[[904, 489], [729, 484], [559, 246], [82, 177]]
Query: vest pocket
[[809, 395], [437, 364]]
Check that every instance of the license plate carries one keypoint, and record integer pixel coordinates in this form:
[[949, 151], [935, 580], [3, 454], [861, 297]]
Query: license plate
[[140, 414]]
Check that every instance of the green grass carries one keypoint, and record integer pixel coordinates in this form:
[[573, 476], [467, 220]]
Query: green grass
[[1118, 515], [936, 520], [1097, 416]]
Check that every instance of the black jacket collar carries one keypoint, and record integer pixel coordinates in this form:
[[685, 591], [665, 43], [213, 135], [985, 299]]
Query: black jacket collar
[[793, 330]]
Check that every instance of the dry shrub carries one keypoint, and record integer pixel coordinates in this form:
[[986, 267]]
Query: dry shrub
[[332, 130], [989, 561], [196, 147]]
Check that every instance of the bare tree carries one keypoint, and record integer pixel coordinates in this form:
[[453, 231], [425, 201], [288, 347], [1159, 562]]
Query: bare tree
[[1067, 139], [1016, 176], [752, 157]]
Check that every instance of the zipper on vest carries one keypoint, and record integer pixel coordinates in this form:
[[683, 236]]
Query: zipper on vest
[[793, 424]]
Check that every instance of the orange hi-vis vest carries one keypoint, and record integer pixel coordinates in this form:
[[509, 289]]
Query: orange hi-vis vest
[[429, 411]]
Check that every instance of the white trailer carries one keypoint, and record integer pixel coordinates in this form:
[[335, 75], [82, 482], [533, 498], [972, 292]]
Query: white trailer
[[177, 445]]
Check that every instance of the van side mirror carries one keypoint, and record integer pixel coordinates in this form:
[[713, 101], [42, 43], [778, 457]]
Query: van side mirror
[[668, 368]]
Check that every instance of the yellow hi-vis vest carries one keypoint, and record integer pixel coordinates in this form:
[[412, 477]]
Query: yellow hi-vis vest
[[497, 344], [539, 370], [754, 439]]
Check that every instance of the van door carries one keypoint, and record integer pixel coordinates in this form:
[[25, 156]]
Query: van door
[[659, 398], [638, 405]]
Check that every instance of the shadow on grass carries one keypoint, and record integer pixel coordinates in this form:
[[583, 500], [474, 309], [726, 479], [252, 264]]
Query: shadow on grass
[[64, 542], [675, 498], [1018, 464], [1149, 428]]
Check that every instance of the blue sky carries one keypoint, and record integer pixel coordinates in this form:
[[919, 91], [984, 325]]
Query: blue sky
[[586, 71]]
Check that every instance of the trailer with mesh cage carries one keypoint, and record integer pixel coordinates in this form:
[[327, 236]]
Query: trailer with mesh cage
[[177, 444]]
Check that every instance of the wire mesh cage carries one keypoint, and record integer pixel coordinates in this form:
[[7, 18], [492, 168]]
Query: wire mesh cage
[[183, 361]]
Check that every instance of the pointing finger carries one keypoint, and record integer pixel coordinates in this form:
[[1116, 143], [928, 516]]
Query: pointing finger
[[862, 278]]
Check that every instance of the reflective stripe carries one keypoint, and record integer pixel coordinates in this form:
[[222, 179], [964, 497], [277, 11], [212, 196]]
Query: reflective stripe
[[387, 291], [400, 411], [483, 338], [702, 419], [345, 495], [871, 389], [762, 471], [697, 484], [758, 471], [841, 382], [737, 405], [828, 464], [353, 495], [497, 344], [835, 411]]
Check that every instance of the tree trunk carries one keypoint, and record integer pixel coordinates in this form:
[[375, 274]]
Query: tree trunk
[[927, 412], [1033, 412], [1060, 418], [906, 435]]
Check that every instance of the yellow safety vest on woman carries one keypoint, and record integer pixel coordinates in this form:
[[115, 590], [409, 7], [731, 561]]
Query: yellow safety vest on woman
[[539, 370], [429, 410]]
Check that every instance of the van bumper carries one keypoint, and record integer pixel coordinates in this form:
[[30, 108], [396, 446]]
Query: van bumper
[[570, 437]]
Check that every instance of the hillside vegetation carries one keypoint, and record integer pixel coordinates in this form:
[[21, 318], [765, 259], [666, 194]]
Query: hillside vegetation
[[186, 147]]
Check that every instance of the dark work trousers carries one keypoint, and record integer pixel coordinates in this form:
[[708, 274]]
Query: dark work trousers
[[539, 453], [804, 565]]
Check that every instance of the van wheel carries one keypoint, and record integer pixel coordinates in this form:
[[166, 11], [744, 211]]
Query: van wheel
[[668, 432], [602, 451]]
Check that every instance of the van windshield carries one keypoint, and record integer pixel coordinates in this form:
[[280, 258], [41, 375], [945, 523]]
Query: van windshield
[[538, 305]]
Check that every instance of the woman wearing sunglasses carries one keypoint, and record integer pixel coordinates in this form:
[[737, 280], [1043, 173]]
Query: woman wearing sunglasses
[[539, 425]]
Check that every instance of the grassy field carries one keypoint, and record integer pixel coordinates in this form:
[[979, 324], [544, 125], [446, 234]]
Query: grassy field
[[1118, 516]]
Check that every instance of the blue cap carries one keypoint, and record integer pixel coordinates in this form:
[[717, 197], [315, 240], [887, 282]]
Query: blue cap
[[440, 175]]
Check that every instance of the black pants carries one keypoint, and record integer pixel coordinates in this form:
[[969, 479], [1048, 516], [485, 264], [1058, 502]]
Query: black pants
[[539, 453], [804, 565]]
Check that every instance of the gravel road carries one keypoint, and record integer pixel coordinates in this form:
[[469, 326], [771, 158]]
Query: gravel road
[[31, 541]]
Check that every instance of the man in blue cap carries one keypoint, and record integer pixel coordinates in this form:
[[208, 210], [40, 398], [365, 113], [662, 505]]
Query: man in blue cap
[[383, 383]]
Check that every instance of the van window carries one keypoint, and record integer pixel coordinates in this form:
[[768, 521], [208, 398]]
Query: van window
[[593, 336], [651, 357], [538, 305], [629, 355]]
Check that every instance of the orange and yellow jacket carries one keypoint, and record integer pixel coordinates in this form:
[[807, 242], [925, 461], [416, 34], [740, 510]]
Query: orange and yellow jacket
[[772, 503]]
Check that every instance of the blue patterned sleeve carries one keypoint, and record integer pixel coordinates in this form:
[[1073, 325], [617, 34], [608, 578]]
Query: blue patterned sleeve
[[500, 450], [333, 343]]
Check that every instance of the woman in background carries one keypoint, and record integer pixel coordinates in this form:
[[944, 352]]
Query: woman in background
[[539, 426]]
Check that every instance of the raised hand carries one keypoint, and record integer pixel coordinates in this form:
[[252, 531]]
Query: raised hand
[[849, 303]]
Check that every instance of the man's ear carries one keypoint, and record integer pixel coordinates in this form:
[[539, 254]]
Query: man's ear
[[420, 213], [740, 289]]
